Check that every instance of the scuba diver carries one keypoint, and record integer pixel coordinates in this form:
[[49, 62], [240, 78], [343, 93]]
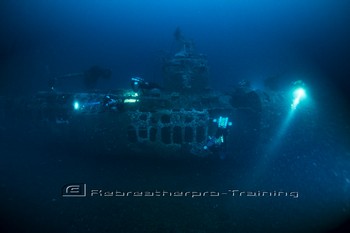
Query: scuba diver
[[140, 86], [113, 104], [217, 143], [90, 77]]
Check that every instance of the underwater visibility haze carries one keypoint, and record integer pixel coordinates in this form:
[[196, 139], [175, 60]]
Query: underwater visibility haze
[[174, 116]]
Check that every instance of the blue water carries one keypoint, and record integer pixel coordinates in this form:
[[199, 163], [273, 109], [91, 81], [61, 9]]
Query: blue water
[[251, 40]]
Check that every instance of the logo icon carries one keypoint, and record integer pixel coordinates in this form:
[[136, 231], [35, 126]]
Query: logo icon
[[74, 190]]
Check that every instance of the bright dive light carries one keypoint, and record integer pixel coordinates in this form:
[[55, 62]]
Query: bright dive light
[[298, 94], [76, 105], [130, 100]]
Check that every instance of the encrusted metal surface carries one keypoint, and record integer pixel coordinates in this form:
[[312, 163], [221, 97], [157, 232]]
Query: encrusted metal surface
[[169, 126]]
